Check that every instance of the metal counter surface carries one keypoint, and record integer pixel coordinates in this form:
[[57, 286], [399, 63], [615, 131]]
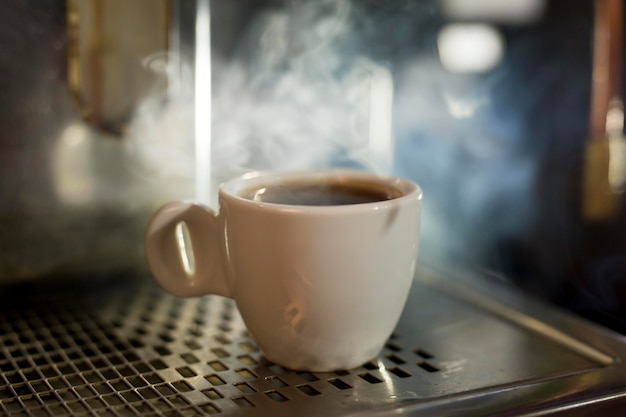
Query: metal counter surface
[[465, 345]]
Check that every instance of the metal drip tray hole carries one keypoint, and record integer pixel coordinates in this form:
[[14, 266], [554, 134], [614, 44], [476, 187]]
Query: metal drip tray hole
[[186, 372], [189, 358], [210, 409], [428, 367], [338, 383], [215, 380], [396, 359], [158, 364], [308, 390], [276, 382], [424, 354], [245, 388], [243, 402], [212, 394], [307, 376], [247, 360], [393, 346], [182, 386], [217, 366], [276, 396], [399, 372], [220, 352], [371, 378], [246, 374]]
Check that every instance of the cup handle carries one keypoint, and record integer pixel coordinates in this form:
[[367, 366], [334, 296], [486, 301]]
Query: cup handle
[[183, 250]]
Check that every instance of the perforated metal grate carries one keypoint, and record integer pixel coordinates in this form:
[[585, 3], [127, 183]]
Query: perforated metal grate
[[135, 350], [123, 347]]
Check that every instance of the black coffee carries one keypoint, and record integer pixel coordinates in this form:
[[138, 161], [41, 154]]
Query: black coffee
[[321, 193]]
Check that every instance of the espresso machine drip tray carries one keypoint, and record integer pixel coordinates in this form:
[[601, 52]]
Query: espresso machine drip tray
[[465, 345]]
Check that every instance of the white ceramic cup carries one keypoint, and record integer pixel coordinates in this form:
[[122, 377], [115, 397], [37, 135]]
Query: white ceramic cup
[[320, 288]]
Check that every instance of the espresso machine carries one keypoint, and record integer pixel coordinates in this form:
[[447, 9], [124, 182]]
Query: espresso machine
[[510, 117]]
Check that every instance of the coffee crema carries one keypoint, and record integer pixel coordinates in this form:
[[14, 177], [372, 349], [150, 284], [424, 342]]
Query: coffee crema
[[321, 192]]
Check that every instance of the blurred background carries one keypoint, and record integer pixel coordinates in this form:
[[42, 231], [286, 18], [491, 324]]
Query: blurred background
[[508, 114]]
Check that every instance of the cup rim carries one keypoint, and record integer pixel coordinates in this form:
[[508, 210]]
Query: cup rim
[[230, 189]]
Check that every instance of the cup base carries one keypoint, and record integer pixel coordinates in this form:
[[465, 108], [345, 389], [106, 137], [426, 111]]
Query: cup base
[[323, 363]]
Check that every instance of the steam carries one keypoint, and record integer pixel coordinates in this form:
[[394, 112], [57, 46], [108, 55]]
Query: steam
[[291, 98], [467, 160], [320, 83], [161, 134], [316, 84], [295, 100]]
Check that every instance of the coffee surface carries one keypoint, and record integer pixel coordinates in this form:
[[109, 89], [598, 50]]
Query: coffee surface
[[318, 193]]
